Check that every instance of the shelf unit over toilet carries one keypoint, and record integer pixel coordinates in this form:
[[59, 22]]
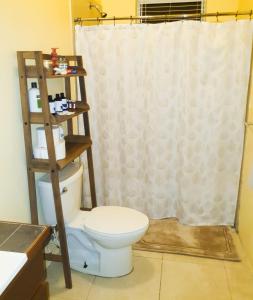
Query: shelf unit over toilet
[[75, 144]]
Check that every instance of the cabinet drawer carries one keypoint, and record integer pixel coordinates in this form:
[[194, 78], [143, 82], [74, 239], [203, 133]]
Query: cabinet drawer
[[42, 292], [27, 281]]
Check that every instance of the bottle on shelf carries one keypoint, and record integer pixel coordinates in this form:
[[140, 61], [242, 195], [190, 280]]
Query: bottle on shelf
[[34, 98], [62, 65], [54, 58], [70, 104], [64, 102], [58, 103], [51, 104]]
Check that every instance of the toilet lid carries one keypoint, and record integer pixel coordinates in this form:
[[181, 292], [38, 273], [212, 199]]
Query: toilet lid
[[115, 220]]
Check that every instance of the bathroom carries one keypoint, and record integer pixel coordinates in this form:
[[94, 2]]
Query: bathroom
[[41, 25]]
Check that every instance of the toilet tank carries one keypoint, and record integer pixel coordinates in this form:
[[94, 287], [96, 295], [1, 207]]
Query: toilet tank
[[71, 192]]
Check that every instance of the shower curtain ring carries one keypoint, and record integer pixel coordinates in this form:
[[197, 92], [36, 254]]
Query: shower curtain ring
[[236, 16], [131, 18], [114, 20], [98, 20], [217, 17], [250, 15]]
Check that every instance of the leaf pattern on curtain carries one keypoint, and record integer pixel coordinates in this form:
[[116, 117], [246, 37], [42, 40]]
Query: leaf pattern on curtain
[[167, 116]]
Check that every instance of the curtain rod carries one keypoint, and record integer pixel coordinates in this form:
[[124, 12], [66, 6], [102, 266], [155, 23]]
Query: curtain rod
[[168, 16]]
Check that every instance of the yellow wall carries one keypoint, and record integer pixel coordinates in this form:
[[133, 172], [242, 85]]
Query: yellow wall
[[221, 6], [224, 5], [246, 198], [25, 25], [246, 195], [245, 4], [119, 8], [128, 7], [81, 9]]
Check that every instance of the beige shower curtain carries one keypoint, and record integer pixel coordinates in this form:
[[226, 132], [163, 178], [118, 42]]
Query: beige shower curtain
[[167, 116]]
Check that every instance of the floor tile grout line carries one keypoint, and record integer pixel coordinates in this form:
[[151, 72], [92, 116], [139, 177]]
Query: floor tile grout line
[[161, 274], [227, 280], [158, 258], [92, 282]]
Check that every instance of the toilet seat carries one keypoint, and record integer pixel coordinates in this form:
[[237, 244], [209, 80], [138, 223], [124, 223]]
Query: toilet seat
[[114, 220], [78, 221]]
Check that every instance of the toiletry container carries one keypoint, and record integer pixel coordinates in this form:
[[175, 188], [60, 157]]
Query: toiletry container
[[64, 102], [34, 98], [51, 102], [58, 103], [62, 65], [40, 150]]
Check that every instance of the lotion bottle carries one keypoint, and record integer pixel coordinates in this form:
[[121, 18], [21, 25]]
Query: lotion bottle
[[34, 98]]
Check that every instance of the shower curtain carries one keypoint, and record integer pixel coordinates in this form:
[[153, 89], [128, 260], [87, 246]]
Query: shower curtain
[[167, 116]]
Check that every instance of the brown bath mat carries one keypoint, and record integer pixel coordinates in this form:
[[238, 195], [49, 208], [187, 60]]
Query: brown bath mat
[[169, 236]]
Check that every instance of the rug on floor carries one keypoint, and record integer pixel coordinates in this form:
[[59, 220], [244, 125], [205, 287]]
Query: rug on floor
[[169, 236]]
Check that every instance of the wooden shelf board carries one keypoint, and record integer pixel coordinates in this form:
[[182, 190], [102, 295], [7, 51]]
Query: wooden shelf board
[[53, 257], [37, 118], [31, 55], [78, 139], [73, 150], [79, 73], [40, 165], [31, 72], [75, 146], [68, 57]]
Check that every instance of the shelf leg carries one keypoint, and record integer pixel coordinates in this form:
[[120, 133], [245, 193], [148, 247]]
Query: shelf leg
[[91, 178], [61, 229], [32, 197]]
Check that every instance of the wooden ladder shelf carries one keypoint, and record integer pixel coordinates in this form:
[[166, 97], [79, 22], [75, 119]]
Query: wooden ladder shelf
[[75, 144]]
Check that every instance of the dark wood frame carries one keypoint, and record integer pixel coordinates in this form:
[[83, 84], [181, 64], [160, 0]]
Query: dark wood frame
[[75, 144]]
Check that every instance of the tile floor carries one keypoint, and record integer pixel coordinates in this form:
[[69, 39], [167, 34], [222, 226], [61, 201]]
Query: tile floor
[[158, 276]]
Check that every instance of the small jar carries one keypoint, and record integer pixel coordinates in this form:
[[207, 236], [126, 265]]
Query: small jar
[[70, 104], [62, 64]]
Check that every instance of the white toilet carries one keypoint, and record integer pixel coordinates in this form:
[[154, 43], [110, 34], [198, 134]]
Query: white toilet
[[99, 241]]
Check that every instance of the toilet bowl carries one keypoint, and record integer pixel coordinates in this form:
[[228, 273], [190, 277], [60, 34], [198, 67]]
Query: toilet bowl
[[99, 241]]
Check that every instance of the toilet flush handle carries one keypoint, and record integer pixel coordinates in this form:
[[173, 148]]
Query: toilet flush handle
[[64, 190]]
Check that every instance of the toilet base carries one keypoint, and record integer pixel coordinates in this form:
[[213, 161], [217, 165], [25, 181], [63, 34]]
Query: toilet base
[[111, 262]]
